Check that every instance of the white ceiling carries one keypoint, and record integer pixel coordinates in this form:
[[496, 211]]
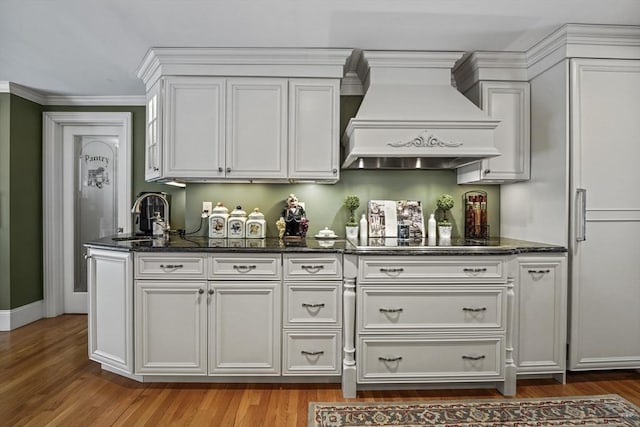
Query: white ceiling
[[94, 47]]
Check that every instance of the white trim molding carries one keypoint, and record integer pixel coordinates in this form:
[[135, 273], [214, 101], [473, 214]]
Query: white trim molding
[[17, 317], [52, 176], [44, 99]]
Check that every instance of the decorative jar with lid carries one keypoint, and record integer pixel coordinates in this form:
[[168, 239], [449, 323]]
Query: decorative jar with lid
[[218, 222], [256, 227], [236, 223]]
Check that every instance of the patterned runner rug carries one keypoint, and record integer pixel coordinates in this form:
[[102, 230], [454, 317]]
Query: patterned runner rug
[[611, 410]]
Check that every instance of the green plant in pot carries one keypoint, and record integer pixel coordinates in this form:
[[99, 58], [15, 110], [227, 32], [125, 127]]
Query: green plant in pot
[[352, 202], [445, 203]]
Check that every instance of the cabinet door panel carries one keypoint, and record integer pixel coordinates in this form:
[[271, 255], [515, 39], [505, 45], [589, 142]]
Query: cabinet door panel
[[153, 144], [194, 144], [244, 329], [256, 128], [171, 325], [110, 292], [313, 129]]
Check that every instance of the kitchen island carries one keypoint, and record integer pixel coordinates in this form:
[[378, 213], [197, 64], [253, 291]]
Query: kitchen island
[[450, 314]]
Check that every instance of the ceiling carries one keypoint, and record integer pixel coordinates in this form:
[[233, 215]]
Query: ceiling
[[93, 48]]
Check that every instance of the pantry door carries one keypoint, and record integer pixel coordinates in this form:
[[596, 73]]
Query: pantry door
[[91, 201]]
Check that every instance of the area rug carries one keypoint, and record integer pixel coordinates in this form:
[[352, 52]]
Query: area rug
[[611, 410]]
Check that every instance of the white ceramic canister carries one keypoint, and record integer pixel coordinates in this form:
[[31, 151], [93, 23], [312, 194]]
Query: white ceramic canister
[[218, 222], [236, 223], [256, 227]]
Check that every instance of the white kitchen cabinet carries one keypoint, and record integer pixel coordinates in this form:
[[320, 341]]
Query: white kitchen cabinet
[[244, 328], [153, 141], [194, 127], [423, 319], [510, 103], [314, 121], [171, 327], [110, 292], [256, 136], [312, 310], [542, 315]]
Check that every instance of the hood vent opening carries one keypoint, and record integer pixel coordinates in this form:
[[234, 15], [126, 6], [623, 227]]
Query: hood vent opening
[[411, 117]]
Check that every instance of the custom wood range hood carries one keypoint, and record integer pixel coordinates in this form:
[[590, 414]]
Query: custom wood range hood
[[412, 117]]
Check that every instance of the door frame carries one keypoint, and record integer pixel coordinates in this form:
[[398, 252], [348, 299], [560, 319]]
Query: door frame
[[53, 191]]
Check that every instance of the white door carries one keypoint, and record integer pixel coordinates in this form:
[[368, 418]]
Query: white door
[[90, 187], [605, 279]]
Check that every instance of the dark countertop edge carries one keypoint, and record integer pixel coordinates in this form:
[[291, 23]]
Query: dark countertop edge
[[386, 252]]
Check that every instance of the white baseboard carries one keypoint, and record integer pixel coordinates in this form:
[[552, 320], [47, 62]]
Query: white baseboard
[[13, 319]]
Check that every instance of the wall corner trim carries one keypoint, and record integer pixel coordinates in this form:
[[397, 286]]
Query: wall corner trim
[[17, 317]]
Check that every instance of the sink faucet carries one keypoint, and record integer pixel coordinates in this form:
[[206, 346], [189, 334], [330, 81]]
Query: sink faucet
[[163, 223]]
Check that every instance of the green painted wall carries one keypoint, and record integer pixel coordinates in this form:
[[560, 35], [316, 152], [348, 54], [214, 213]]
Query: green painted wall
[[5, 202], [26, 202]]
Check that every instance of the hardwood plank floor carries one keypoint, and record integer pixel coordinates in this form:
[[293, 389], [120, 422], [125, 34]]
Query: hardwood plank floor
[[47, 379]]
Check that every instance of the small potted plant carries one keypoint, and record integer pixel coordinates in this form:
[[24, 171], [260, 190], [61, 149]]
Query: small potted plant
[[444, 203], [352, 203]]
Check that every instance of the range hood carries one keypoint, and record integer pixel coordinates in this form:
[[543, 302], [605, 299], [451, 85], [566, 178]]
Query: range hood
[[412, 117]]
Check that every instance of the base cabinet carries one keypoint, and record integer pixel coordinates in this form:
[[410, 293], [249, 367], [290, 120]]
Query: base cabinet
[[171, 327], [110, 291], [542, 315], [244, 328]]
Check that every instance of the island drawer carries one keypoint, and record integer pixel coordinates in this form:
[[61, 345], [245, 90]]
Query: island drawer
[[414, 308], [316, 304], [242, 266], [312, 266], [425, 269], [165, 266], [420, 359], [311, 353]]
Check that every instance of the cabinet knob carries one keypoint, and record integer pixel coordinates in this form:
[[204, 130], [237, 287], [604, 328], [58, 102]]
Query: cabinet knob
[[228, 170], [487, 171], [210, 291], [156, 169], [335, 171], [201, 291], [220, 169]]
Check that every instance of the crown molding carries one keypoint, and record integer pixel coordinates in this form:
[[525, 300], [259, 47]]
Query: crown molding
[[97, 100], [265, 62], [495, 66], [22, 92], [584, 41]]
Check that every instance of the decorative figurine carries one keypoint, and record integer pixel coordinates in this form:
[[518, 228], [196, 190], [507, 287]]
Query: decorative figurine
[[295, 220]]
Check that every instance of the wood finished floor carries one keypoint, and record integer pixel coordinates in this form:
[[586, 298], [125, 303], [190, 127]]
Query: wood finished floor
[[47, 379]]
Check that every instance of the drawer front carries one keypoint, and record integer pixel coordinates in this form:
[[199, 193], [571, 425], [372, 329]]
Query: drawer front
[[425, 269], [243, 266], [437, 359], [312, 267], [312, 353], [313, 304], [166, 266], [437, 307]]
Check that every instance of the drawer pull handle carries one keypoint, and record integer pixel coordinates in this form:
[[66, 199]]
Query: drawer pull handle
[[171, 266], [539, 271], [390, 310], [244, 268], [476, 357], [475, 310], [304, 304], [474, 270], [312, 268], [390, 359], [392, 270], [312, 353]]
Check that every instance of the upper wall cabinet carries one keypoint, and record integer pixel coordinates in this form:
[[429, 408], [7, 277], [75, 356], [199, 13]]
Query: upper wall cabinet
[[243, 114], [496, 82]]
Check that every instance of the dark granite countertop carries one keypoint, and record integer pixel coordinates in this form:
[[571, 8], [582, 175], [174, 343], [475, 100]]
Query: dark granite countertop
[[388, 246]]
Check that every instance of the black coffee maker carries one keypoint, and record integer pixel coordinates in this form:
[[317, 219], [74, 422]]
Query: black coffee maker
[[148, 204]]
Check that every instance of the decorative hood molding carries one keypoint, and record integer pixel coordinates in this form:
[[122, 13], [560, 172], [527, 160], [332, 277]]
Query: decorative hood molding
[[413, 117]]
